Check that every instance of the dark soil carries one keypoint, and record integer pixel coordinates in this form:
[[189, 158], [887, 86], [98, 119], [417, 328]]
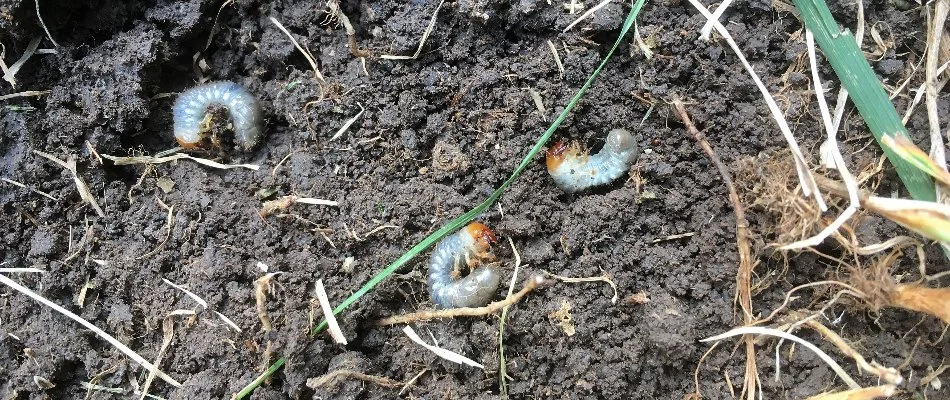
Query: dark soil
[[437, 135]]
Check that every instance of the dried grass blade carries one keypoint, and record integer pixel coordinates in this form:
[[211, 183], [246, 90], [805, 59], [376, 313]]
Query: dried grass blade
[[805, 177], [757, 330], [109, 338], [443, 353], [332, 326]]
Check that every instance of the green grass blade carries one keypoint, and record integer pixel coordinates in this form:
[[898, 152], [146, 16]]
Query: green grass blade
[[865, 90], [260, 379], [468, 216], [459, 222]]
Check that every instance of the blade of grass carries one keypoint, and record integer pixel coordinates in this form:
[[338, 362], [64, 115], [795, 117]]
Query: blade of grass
[[260, 379], [468, 216], [865, 89]]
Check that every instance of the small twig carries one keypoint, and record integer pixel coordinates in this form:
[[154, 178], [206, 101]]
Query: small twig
[[169, 224], [422, 42], [647, 52], [37, 191], [937, 143], [868, 393], [492, 308], [673, 237], [409, 383], [350, 32], [587, 279], [284, 202], [805, 177], [187, 292], [445, 354], [168, 331], [377, 229], [273, 172], [502, 364], [20, 270], [261, 287], [832, 143], [539, 103], [214, 26]]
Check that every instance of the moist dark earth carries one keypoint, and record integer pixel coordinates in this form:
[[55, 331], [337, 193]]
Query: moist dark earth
[[436, 135]]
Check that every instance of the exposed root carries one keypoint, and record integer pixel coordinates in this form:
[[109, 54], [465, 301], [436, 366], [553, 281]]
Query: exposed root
[[788, 296], [502, 364], [9, 73], [933, 375], [284, 202], [604, 278], [350, 32], [261, 287], [169, 224], [886, 374], [43, 24], [334, 377], [174, 157], [744, 274], [787, 336], [771, 188], [531, 284]]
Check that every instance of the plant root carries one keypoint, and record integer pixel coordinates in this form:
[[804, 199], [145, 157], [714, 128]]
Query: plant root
[[531, 284]]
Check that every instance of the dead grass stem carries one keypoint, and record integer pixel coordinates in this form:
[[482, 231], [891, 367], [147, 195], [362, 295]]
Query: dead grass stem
[[422, 41], [306, 53]]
